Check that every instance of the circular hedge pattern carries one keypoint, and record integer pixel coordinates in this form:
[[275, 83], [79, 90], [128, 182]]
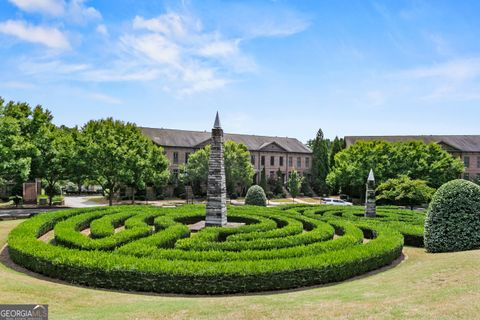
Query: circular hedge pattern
[[152, 249], [453, 219]]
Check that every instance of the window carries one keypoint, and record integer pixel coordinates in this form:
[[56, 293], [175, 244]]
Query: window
[[466, 161], [299, 162], [307, 162], [272, 161], [262, 161], [281, 161], [272, 174], [187, 154], [175, 157], [253, 160], [290, 162], [466, 176], [175, 174]]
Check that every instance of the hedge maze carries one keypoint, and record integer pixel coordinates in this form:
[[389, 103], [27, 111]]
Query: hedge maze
[[143, 248]]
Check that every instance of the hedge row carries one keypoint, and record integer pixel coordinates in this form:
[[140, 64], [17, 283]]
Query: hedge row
[[409, 223], [168, 259]]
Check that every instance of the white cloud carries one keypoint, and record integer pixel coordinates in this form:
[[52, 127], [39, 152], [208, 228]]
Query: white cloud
[[49, 7], [48, 36], [188, 58], [200, 79], [57, 67], [102, 29], [74, 10], [169, 24], [155, 47], [79, 13], [457, 70], [453, 80], [117, 74], [276, 28], [174, 50], [219, 48]]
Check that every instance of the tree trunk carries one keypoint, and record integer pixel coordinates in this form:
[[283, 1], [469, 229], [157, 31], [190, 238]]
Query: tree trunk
[[50, 193], [79, 185], [110, 195], [133, 195]]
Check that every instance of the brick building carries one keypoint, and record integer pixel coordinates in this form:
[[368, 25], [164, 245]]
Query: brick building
[[271, 153], [464, 147]]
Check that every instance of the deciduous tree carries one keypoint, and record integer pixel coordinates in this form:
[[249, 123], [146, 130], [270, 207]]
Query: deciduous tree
[[56, 149], [112, 149], [294, 183], [238, 168], [405, 191], [415, 159]]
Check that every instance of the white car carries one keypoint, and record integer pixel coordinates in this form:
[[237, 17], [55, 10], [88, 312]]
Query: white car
[[336, 202]]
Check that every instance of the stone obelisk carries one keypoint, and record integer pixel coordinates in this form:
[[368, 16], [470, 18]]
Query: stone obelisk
[[216, 189], [370, 206]]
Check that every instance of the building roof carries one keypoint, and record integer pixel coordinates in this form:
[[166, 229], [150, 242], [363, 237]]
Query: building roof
[[463, 143], [196, 139]]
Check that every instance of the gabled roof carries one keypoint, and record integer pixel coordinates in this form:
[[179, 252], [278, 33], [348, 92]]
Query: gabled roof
[[462, 143], [272, 144], [194, 139]]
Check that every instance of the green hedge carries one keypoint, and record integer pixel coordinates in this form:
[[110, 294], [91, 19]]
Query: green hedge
[[157, 253], [453, 220], [409, 223]]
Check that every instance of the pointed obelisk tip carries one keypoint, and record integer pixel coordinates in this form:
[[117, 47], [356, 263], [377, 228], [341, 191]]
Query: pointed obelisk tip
[[217, 122], [371, 176]]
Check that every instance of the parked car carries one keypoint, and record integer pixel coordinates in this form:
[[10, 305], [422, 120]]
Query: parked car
[[336, 202]]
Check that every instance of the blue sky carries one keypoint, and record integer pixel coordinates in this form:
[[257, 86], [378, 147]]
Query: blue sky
[[286, 68]]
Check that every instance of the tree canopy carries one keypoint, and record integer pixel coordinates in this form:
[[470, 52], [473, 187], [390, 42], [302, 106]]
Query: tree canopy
[[294, 183], [404, 191], [54, 159], [414, 159], [238, 168], [118, 153], [320, 164], [21, 134]]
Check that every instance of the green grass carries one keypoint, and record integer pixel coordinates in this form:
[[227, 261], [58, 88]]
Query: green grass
[[424, 286]]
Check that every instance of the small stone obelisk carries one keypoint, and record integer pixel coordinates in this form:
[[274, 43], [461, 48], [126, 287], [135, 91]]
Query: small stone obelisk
[[216, 189], [370, 206]]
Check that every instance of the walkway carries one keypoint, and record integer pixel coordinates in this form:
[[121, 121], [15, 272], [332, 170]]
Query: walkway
[[81, 202]]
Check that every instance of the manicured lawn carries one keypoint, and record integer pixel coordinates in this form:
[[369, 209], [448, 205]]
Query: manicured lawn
[[424, 286]]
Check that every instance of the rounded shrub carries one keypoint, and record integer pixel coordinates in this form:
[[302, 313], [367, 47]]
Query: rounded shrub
[[453, 218], [256, 196]]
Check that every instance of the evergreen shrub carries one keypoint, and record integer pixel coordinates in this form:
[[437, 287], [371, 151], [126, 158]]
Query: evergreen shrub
[[453, 218], [256, 196]]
